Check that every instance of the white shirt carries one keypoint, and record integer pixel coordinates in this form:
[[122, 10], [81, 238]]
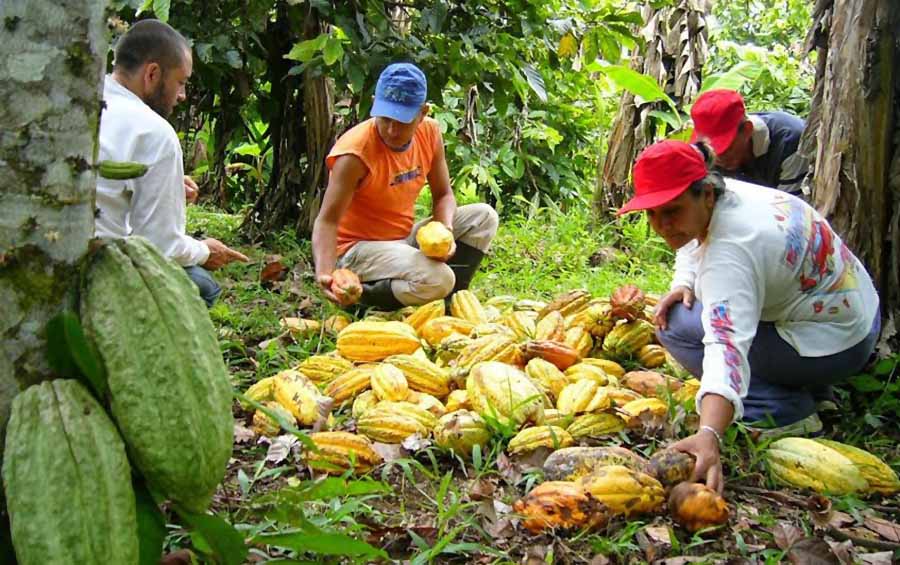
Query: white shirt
[[769, 256], [153, 205]]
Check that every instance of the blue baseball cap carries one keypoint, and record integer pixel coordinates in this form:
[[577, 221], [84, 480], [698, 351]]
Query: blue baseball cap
[[400, 92]]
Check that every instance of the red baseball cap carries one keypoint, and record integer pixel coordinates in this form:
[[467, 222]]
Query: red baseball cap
[[662, 172], [717, 115]]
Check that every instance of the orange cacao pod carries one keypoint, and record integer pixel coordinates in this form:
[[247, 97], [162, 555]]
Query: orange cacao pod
[[695, 506], [560, 504], [627, 302], [557, 353], [345, 286]]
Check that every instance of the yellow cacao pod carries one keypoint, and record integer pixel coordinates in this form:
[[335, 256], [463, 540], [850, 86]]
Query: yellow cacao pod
[[581, 371], [381, 423], [464, 304], [300, 397], [410, 410], [583, 396], [545, 374], [881, 478], [650, 383], [676, 368], [322, 369], [529, 439], [436, 330], [335, 324], [374, 341], [339, 451], [595, 425], [609, 367], [389, 383], [450, 348], [502, 392], [805, 463], [363, 402], [503, 302], [567, 303], [265, 425], [422, 375], [490, 348], [299, 327], [260, 391], [553, 417], [560, 505], [688, 392], [460, 431], [425, 313], [350, 384], [626, 339], [458, 400], [427, 402], [527, 305], [621, 396], [624, 491], [521, 323], [551, 327], [654, 408], [483, 330], [434, 240], [580, 340], [652, 356]]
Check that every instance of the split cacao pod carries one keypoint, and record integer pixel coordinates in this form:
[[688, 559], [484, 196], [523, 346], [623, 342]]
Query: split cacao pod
[[696, 507], [560, 504], [435, 240]]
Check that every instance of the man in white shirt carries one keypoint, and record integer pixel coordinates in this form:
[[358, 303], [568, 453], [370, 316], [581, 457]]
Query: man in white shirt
[[152, 66]]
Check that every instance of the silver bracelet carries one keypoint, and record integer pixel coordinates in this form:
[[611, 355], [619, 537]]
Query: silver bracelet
[[713, 431]]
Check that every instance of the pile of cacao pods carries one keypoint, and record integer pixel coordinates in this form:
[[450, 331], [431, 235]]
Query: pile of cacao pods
[[163, 412], [549, 374]]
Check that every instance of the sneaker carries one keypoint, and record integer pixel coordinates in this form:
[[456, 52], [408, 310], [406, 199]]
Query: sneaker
[[809, 426]]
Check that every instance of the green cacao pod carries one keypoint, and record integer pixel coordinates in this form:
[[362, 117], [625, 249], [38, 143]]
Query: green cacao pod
[[67, 480], [121, 170], [805, 463], [169, 391]]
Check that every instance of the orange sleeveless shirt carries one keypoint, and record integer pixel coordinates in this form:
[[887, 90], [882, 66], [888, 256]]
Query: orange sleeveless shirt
[[383, 206]]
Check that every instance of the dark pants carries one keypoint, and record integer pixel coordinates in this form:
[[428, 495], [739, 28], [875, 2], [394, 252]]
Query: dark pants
[[207, 286], [783, 384]]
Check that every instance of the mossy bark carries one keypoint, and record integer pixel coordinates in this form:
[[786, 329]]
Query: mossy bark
[[52, 55]]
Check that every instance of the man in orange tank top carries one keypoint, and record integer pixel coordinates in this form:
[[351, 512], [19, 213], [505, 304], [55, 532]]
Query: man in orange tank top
[[366, 223]]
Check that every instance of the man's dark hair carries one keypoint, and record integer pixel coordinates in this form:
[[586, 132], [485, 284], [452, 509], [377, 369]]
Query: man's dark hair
[[150, 41]]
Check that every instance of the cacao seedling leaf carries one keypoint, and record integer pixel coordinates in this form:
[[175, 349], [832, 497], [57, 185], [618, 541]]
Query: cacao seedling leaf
[[151, 525], [225, 542], [70, 353]]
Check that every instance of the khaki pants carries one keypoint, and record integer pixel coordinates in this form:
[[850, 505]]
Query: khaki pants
[[416, 278]]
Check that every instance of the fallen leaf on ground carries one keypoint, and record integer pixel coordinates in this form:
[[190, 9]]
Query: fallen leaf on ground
[[281, 447], [879, 558], [600, 560], [415, 443], [844, 551], [812, 551], [786, 535], [654, 541], [273, 271], [482, 489], [243, 434], [888, 530], [389, 451]]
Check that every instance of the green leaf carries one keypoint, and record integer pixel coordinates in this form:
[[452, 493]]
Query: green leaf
[[332, 487], [70, 353], [333, 51], [225, 542], [734, 78], [638, 84], [247, 149], [885, 366], [535, 81], [866, 383], [151, 526], [671, 118], [161, 10], [321, 543], [304, 51]]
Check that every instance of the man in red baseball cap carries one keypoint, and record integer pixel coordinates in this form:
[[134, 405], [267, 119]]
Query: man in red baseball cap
[[760, 148]]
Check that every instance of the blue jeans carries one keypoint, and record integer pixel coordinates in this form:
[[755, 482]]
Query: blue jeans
[[207, 286], [783, 384]]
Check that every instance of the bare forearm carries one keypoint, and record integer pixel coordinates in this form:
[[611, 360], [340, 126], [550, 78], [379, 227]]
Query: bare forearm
[[716, 412], [324, 246], [444, 209]]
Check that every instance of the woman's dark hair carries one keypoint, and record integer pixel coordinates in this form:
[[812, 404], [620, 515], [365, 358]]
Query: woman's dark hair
[[712, 178], [150, 41]]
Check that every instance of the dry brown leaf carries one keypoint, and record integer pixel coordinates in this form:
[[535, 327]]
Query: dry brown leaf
[[389, 451], [879, 558], [812, 551], [786, 535], [654, 541], [843, 551], [273, 270], [243, 434], [888, 530], [482, 489], [600, 560]]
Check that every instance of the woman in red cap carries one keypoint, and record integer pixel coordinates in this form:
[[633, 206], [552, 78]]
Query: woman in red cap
[[767, 306]]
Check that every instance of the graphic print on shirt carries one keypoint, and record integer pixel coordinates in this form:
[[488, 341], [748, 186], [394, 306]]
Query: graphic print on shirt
[[723, 329], [810, 246], [406, 176]]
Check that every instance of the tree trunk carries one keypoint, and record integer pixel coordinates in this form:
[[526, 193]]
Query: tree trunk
[[300, 138], [853, 134], [52, 59], [674, 55]]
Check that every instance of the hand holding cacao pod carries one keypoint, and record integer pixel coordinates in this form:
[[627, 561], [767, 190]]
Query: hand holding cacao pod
[[435, 241], [345, 287]]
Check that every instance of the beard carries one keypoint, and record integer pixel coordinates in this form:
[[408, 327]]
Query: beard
[[157, 100]]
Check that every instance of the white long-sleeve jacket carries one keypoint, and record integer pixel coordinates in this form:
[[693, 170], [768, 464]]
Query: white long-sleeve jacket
[[769, 256], [153, 205]]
